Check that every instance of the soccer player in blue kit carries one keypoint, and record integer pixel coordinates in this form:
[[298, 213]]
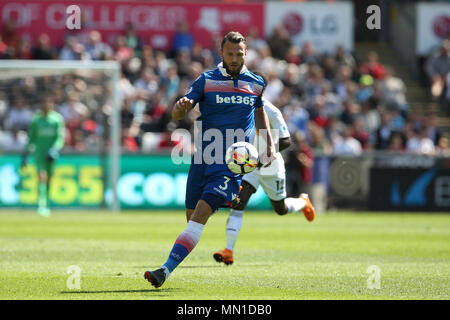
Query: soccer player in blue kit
[[229, 97]]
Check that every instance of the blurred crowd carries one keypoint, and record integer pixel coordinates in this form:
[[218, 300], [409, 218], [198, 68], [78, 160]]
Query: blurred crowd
[[332, 103]]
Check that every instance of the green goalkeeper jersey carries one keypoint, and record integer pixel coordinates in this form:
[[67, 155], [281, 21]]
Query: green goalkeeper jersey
[[45, 133]]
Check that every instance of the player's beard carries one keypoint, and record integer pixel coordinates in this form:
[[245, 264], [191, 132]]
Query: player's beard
[[230, 72]]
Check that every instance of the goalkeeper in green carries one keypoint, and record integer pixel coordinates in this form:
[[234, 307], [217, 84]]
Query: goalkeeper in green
[[45, 140]]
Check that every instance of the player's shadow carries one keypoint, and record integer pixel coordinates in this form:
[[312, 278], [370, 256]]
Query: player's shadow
[[167, 290], [218, 265], [181, 267]]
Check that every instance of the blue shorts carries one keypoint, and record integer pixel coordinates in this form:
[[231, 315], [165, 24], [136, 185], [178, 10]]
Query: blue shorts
[[213, 179]]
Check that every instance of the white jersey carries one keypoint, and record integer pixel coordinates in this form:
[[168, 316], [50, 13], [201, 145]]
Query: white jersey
[[279, 130]]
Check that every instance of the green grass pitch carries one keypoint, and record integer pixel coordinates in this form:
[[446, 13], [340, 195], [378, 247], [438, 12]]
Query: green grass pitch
[[275, 257]]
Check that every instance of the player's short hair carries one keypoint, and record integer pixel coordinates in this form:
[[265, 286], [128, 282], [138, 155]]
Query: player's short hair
[[234, 37]]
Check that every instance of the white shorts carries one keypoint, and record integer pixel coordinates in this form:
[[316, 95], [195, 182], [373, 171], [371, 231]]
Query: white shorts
[[274, 185]]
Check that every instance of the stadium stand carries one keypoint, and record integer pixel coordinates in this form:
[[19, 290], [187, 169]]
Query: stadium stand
[[326, 96]]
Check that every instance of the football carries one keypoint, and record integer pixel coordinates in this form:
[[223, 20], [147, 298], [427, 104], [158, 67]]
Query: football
[[241, 158]]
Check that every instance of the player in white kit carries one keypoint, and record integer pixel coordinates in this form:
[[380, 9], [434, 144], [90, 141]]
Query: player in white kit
[[273, 181]]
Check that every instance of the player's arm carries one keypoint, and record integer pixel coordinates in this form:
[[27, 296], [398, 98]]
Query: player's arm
[[284, 143], [30, 144], [53, 153], [186, 103], [181, 108], [262, 124], [278, 123]]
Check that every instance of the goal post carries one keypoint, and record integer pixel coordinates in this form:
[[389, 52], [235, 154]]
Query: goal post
[[14, 72]]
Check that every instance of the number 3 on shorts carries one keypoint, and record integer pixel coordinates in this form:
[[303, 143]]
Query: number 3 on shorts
[[225, 183]]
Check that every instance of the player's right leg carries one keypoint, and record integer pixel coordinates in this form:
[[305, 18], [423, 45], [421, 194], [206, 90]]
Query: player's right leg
[[43, 187]]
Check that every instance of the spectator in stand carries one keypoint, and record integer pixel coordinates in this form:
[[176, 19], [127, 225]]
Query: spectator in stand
[[14, 140], [333, 103], [445, 102], [291, 79], [183, 60], [148, 84], [348, 113], [72, 50], [383, 135], [73, 112], [299, 163], [419, 143], [20, 115], [3, 48], [393, 91], [123, 53], [341, 82], [373, 67], [312, 86], [347, 145], [359, 133], [266, 60], [344, 58], [97, 49], [166, 141], [366, 90], [443, 147], [24, 50], [4, 107], [370, 116], [317, 139], [171, 83], [397, 143], [329, 67], [279, 42], [293, 55], [437, 67], [318, 112], [274, 86], [10, 36], [183, 38], [296, 116], [126, 115], [433, 132], [43, 49], [253, 39], [309, 55], [133, 40]]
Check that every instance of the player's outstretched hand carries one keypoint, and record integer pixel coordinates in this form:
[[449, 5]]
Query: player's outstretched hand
[[182, 106]]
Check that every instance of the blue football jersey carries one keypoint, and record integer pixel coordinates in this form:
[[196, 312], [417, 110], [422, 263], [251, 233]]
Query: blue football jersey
[[227, 103]]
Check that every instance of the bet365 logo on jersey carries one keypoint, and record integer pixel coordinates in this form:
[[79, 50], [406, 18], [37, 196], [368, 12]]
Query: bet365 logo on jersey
[[235, 99]]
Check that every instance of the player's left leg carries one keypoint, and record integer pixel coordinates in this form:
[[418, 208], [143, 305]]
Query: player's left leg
[[187, 240], [275, 188], [217, 191]]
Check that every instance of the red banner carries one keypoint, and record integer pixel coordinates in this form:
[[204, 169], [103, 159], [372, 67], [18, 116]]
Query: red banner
[[155, 22]]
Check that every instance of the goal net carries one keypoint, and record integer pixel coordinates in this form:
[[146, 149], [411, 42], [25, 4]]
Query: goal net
[[86, 95]]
